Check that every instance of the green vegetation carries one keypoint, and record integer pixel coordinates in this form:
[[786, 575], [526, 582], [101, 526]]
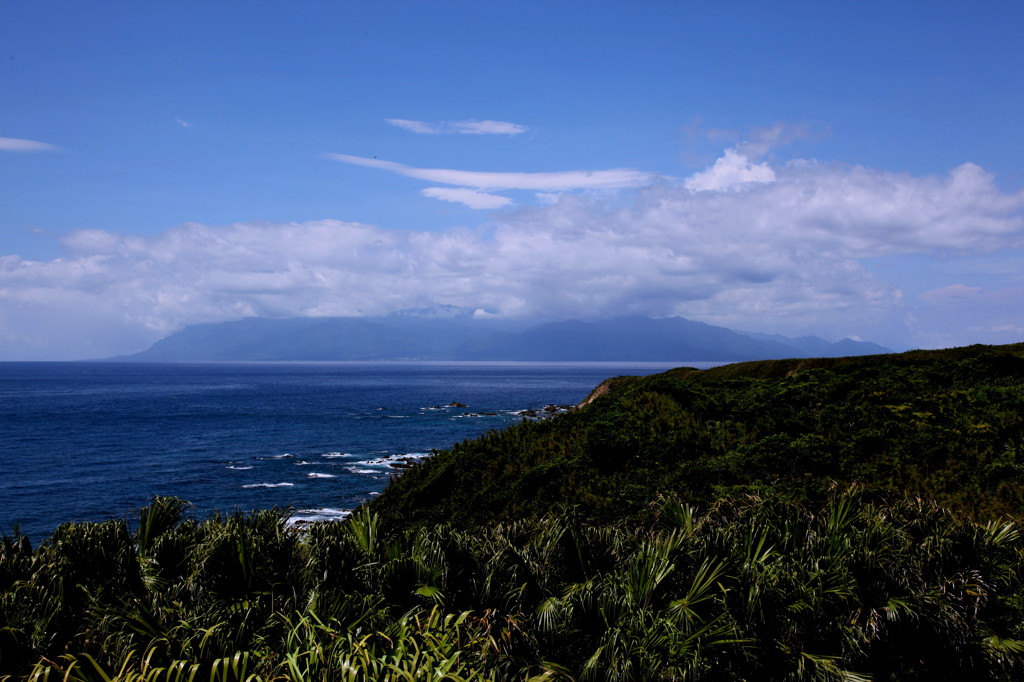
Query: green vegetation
[[942, 425], [752, 588], [846, 519]]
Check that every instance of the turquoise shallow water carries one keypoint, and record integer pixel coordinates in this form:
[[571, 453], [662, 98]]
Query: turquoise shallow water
[[91, 441]]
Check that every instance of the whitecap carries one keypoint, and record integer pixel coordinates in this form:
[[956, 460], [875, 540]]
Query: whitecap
[[268, 485], [331, 455], [391, 460], [236, 468], [304, 516], [357, 470], [315, 474]]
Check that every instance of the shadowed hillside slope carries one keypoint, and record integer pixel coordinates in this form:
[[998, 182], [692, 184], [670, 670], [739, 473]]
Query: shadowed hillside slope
[[945, 425]]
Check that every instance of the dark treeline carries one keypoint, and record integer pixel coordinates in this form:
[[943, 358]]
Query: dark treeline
[[845, 519]]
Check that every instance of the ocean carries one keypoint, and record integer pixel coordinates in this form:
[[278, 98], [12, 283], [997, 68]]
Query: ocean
[[91, 441]]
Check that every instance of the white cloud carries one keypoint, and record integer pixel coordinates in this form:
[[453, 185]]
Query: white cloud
[[759, 141], [782, 256], [469, 197], [955, 293], [488, 128], [13, 144], [1015, 330], [459, 127], [183, 123], [730, 171], [959, 315], [416, 126], [564, 180]]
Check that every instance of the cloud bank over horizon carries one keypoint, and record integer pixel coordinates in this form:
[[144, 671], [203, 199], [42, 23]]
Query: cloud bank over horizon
[[786, 248]]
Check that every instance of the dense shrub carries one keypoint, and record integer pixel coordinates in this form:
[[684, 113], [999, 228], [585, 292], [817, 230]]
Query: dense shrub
[[749, 588]]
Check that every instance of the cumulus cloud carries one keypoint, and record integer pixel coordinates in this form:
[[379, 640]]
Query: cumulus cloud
[[785, 255], [485, 180], [730, 171], [13, 144], [470, 127]]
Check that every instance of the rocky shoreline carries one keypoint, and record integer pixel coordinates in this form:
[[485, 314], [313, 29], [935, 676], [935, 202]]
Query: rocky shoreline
[[547, 412]]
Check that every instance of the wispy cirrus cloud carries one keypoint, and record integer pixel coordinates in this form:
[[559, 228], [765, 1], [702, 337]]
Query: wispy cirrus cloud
[[488, 128], [13, 144], [478, 185], [470, 127], [614, 178], [420, 127], [469, 197]]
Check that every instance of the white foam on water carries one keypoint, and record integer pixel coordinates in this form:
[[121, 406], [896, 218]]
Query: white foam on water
[[231, 466], [302, 463], [388, 460], [269, 485], [331, 455], [303, 516], [315, 474], [357, 470]]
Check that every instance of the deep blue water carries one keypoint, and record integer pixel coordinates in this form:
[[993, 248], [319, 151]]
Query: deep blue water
[[92, 441]]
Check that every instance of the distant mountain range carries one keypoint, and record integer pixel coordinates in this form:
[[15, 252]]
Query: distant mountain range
[[463, 337]]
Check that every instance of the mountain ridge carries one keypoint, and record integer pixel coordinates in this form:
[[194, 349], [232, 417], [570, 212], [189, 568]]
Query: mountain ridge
[[465, 338]]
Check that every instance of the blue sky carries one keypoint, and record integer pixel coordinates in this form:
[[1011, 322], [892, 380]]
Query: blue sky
[[839, 169]]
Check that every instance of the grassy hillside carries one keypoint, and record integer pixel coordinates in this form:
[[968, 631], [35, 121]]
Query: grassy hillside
[[943, 425]]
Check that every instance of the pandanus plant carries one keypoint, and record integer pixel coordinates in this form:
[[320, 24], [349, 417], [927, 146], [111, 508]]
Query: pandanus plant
[[751, 588]]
